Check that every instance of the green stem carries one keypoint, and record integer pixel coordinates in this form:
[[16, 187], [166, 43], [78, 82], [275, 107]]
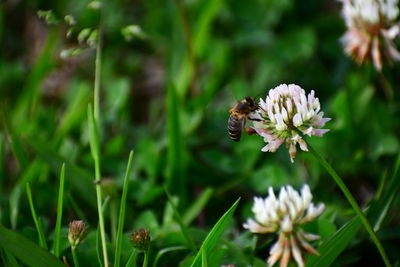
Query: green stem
[[132, 259], [100, 211], [353, 203], [146, 258], [74, 257], [97, 77]]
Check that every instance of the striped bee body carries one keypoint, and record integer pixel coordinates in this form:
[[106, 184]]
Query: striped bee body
[[238, 115], [235, 126]]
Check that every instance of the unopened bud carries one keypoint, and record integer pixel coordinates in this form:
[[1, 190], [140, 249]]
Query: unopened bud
[[76, 233], [141, 239]]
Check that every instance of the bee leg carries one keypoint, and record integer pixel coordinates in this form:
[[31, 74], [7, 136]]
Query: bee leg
[[250, 131], [254, 119]]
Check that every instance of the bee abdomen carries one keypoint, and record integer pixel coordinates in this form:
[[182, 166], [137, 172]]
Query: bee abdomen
[[235, 126]]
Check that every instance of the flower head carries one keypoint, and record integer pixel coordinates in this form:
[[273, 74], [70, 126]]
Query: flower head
[[285, 214], [287, 113], [76, 232], [371, 30], [140, 239]]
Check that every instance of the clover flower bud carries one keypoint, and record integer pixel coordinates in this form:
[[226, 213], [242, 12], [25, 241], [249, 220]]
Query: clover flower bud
[[285, 114], [140, 239], [285, 215], [77, 231]]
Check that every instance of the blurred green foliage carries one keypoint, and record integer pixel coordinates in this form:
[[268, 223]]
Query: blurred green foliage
[[166, 90]]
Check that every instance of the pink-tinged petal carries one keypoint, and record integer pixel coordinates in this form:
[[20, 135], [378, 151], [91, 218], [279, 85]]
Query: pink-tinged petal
[[319, 132], [308, 131], [321, 122], [296, 252], [292, 152], [261, 131], [376, 54], [276, 250], [254, 227], [286, 254], [310, 236], [303, 145]]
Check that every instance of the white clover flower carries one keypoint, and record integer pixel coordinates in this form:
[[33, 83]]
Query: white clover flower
[[285, 114], [285, 215], [371, 30]]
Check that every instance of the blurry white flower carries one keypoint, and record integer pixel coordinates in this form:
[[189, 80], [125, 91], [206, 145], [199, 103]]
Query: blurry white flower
[[371, 30], [285, 215], [285, 114]]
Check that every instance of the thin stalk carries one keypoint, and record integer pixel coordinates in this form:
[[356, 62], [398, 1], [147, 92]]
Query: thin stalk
[[74, 257], [95, 128], [146, 259], [132, 259], [42, 240], [121, 220], [100, 209], [97, 77], [59, 213], [353, 204]]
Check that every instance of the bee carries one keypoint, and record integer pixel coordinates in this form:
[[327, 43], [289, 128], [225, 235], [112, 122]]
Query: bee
[[238, 115]]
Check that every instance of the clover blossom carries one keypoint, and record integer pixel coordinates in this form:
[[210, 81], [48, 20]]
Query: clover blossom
[[284, 215], [371, 30], [287, 113]]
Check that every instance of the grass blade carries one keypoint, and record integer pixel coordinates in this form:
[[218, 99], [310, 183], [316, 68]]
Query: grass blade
[[121, 220], [59, 213], [340, 183], [332, 248], [213, 236], [203, 258], [25, 250], [42, 240]]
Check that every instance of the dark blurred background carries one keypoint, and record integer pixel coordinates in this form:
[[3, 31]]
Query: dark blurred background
[[166, 94]]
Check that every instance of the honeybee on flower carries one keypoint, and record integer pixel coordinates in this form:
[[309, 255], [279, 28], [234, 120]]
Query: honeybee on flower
[[285, 115], [371, 30], [285, 215]]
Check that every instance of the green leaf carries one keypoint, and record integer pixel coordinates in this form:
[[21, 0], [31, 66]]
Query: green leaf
[[25, 250], [213, 236], [332, 247]]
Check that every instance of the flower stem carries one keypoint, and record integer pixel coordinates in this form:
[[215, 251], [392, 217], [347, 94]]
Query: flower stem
[[74, 257], [132, 259], [100, 211], [146, 258], [353, 204]]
